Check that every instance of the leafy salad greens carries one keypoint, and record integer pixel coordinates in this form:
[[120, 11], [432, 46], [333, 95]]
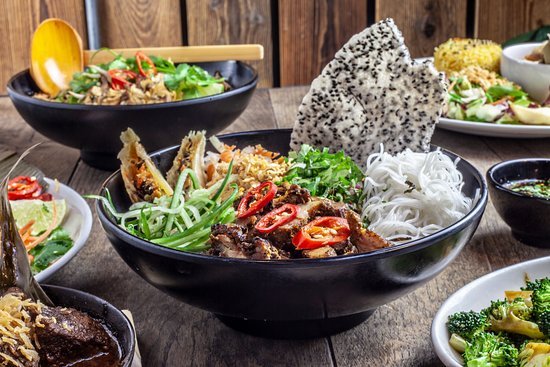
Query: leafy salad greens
[[57, 244], [469, 101], [186, 81], [331, 175]]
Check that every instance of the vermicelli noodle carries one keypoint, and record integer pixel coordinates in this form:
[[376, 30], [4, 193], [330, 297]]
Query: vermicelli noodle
[[412, 195]]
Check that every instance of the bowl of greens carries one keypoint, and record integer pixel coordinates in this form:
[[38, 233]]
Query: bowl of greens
[[158, 99], [500, 319]]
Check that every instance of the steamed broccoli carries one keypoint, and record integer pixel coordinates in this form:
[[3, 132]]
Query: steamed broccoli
[[490, 350], [466, 324], [541, 303], [535, 354], [513, 317]]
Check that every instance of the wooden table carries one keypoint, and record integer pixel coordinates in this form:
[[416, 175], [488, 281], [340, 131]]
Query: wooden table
[[174, 334]]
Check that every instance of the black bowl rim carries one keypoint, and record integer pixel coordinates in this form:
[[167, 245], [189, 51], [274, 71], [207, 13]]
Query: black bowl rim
[[404, 248], [513, 162], [100, 300], [61, 105]]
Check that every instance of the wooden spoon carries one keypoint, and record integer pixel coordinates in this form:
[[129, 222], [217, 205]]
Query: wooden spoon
[[56, 54]]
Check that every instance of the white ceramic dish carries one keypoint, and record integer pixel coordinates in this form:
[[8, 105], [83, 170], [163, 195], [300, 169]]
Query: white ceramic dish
[[478, 295], [495, 130], [77, 221], [534, 78]]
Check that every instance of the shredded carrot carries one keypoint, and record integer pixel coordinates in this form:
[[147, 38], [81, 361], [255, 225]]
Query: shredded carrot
[[48, 231], [264, 152], [227, 154]]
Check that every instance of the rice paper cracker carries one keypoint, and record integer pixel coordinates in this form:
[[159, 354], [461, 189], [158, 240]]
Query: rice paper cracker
[[372, 93]]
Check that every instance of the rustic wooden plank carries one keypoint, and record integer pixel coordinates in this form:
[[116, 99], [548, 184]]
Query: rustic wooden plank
[[17, 22], [136, 23], [425, 23], [55, 160], [258, 115], [71, 11], [310, 32], [233, 21], [285, 103], [500, 20]]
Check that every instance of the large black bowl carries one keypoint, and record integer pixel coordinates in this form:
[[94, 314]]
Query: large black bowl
[[291, 298], [99, 309], [528, 217], [95, 130]]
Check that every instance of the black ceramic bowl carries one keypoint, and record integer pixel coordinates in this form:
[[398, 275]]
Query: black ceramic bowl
[[291, 298], [99, 309], [528, 217], [95, 130]]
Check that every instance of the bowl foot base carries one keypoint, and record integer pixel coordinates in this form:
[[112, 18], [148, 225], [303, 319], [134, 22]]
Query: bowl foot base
[[100, 160], [298, 329], [543, 242]]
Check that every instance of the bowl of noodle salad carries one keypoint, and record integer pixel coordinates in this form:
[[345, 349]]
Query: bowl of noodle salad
[[105, 100], [425, 206]]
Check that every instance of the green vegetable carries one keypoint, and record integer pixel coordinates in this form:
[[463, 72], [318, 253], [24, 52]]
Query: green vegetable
[[541, 303], [189, 81], [331, 175], [490, 350], [192, 82], [513, 317], [46, 253], [466, 324], [181, 221]]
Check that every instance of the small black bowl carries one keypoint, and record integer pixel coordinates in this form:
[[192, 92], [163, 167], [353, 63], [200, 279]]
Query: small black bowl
[[99, 309], [528, 217], [95, 130], [300, 298]]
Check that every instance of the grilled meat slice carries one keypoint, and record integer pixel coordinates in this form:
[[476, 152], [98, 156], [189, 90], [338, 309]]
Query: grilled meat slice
[[226, 240], [261, 249], [70, 336], [361, 237], [321, 252], [291, 194]]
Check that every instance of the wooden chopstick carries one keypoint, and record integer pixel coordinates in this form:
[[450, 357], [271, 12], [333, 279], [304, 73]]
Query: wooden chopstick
[[183, 53]]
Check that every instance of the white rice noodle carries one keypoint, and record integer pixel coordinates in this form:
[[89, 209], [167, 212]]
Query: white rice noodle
[[412, 195]]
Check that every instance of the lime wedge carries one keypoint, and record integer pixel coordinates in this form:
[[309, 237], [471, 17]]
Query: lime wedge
[[40, 211]]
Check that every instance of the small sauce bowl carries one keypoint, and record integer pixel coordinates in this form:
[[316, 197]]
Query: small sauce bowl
[[527, 216]]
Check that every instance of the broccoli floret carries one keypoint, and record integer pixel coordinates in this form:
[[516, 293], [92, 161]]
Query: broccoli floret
[[535, 354], [512, 317], [541, 303], [466, 324], [490, 350]]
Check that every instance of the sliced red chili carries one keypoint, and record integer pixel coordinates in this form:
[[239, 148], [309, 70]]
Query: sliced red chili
[[45, 197], [276, 218], [23, 187], [141, 57], [323, 231], [120, 78], [255, 199]]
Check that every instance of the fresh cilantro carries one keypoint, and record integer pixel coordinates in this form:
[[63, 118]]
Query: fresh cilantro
[[331, 175], [56, 245]]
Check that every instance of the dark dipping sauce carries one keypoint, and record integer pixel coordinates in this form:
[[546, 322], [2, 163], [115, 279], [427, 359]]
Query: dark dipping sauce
[[532, 187]]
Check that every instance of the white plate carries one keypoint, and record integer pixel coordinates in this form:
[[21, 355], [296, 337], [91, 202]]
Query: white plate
[[476, 296], [77, 222], [490, 129], [495, 130]]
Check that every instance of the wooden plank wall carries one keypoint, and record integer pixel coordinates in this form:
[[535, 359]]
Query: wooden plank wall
[[299, 36]]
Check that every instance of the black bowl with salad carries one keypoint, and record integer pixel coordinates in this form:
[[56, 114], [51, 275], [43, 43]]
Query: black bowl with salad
[[158, 99], [520, 191], [306, 294]]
